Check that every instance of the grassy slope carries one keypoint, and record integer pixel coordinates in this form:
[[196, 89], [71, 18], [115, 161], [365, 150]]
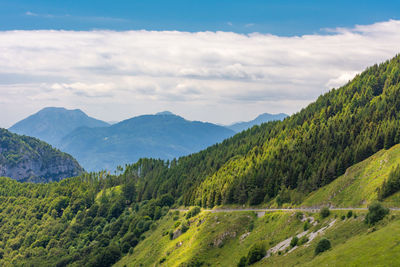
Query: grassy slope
[[200, 241], [357, 187], [352, 244]]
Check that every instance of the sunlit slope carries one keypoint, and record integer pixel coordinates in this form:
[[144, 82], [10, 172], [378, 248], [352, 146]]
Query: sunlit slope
[[358, 186], [221, 239]]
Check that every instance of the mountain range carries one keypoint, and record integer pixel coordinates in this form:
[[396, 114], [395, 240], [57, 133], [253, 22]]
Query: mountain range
[[262, 118], [97, 145], [51, 124]]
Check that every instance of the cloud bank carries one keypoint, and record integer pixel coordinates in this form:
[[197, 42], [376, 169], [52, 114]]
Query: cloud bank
[[212, 76]]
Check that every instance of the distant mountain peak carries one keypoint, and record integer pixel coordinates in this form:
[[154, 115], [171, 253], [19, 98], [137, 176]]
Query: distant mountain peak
[[262, 118], [51, 124], [165, 113]]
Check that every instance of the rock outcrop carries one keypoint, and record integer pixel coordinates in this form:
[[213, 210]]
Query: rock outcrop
[[26, 158]]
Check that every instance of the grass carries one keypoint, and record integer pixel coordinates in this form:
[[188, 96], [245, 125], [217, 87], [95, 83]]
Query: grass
[[218, 239], [357, 187], [215, 242]]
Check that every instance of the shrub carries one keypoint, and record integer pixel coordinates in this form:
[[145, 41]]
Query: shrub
[[193, 212], [324, 212], [184, 227], [349, 214], [376, 212], [323, 245], [304, 239], [256, 253], [294, 241], [391, 185], [176, 224], [343, 217], [242, 262], [306, 226], [299, 215]]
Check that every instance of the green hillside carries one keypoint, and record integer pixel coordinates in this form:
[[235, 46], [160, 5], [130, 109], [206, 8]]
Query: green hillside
[[223, 238], [303, 153], [358, 186]]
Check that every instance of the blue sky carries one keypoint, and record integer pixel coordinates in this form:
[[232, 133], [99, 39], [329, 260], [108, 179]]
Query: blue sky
[[280, 17]]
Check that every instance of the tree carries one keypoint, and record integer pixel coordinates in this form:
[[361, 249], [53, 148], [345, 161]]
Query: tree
[[294, 241], [376, 212], [242, 262], [324, 212], [256, 253], [129, 190], [323, 245]]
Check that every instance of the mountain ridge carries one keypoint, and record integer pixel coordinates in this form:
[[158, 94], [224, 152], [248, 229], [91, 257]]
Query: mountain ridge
[[262, 118], [51, 124], [165, 136]]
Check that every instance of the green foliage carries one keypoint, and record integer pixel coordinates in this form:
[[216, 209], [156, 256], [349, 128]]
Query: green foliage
[[285, 160], [84, 221], [323, 245], [184, 226], [299, 215], [294, 241], [242, 262], [256, 253], [193, 212], [302, 240], [391, 185], [306, 226], [324, 212], [376, 212], [349, 214]]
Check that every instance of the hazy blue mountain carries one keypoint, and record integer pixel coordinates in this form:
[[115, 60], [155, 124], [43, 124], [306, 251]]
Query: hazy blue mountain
[[25, 158], [265, 117], [52, 124], [163, 135]]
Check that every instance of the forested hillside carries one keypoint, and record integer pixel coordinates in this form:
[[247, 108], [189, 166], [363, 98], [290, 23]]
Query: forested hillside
[[84, 221], [304, 152], [26, 158]]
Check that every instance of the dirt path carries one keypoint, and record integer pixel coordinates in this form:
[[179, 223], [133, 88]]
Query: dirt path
[[316, 209]]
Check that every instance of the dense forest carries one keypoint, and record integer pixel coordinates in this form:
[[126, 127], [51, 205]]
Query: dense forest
[[284, 160], [89, 220]]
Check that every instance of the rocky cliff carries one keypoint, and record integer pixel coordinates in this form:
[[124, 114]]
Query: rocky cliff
[[25, 158]]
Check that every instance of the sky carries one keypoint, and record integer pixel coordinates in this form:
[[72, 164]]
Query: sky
[[218, 61]]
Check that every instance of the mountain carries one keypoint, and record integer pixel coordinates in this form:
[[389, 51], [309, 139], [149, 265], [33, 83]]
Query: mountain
[[163, 135], [29, 159], [51, 124], [265, 117]]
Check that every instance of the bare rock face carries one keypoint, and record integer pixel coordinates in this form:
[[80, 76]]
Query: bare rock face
[[26, 158]]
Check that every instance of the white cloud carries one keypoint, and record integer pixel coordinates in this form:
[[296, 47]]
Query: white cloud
[[28, 13], [214, 76]]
